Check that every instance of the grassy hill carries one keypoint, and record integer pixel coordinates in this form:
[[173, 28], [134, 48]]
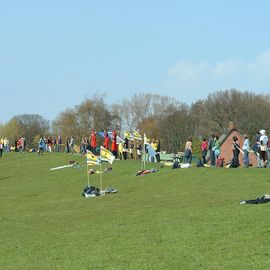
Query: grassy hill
[[172, 219]]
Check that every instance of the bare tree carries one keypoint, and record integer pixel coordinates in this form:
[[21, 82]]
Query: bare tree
[[79, 121], [143, 107], [26, 125], [175, 128], [247, 110]]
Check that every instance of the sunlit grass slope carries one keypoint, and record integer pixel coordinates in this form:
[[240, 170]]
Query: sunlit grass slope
[[172, 219]]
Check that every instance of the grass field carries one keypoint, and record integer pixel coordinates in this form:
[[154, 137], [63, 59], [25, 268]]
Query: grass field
[[172, 219]]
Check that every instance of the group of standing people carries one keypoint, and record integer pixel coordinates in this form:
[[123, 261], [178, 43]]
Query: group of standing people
[[49, 144], [261, 149], [4, 144], [92, 145], [212, 146]]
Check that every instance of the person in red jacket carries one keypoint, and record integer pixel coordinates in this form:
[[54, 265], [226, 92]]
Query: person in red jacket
[[106, 140], [93, 141], [114, 144]]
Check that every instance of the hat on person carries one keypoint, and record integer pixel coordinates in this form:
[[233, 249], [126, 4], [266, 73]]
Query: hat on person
[[262, 131]]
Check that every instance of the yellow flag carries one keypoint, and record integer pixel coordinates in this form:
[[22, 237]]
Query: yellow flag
[[76, 149], [127, 134], [146, 141], [136, 135], [92, 159], [106, 155]]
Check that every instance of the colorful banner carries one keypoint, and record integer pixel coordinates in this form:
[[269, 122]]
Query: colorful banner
[[136, 135], [146, 141], [92, 159], [127, 134], [119, 140], [76, 148], [106, 155]]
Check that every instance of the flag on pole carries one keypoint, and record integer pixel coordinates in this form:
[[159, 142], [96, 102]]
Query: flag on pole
[[101, 134], [119, 140], [92, 159], [146, 141], [136, 135], [77, 149], [127, 134], [106, 155]]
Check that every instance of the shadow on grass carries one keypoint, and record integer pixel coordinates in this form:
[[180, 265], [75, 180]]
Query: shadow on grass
[[3, 178]]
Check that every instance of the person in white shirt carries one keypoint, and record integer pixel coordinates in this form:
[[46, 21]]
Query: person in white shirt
[[71, 144], [245, 149], [263, 148]]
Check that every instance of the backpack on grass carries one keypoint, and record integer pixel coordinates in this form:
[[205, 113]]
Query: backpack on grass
[[220, 162], [199, 163]]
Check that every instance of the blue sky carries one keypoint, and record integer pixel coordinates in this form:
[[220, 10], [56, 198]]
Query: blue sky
[[53, 54]]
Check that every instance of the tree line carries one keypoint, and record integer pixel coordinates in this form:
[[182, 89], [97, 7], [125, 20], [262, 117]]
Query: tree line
[[159, 117]]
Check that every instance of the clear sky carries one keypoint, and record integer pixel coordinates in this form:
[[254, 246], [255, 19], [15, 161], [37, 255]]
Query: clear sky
[[55, 53]]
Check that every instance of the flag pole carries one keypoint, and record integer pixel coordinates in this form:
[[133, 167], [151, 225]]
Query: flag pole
[[88, 184], [144, 154], [100, 176], [142, 157]]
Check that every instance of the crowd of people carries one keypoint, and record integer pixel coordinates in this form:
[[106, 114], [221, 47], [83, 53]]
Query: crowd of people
[[131, 149], [211, 149], [4, 146], [122, 149], [19, 145]]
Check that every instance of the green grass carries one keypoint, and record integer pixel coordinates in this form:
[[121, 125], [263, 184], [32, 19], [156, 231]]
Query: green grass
[[172, 219]]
